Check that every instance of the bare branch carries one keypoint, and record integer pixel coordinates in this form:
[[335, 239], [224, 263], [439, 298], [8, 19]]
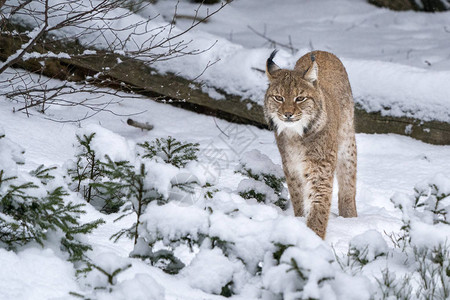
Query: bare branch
[[178, 47], [274, 43], [35, 35], [209, 64], [99, 25]]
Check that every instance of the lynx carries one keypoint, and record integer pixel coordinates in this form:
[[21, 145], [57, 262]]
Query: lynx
[[311, 109]]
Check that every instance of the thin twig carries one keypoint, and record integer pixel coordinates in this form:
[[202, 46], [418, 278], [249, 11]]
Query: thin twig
[[259, 70], [220, 128], [273, 42], [209, 64], [18, 55]]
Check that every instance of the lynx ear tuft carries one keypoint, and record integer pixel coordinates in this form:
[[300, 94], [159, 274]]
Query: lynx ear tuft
[[312, 73], [270, 65]]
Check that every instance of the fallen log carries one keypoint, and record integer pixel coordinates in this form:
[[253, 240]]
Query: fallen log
[[120, 72], [433, 132]]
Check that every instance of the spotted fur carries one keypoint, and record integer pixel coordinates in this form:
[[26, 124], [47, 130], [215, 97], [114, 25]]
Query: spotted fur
[[312, 110]]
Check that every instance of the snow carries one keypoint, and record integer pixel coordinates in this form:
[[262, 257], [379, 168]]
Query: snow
[[427, 235], [369, 245], [442, 184], [387, 164], [49, 54], [252, 184], [106, 142], [360, 287], [399, 90], [142, 286], [385, 54], [313, 268], [286, 233], [173, 222], [427, 228], [108, 262], [260, 163], [35, 274], [135, 286], [10, 154], [209, 271]]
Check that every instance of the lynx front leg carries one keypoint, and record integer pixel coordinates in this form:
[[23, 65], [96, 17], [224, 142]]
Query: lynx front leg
[[318, 192], [295, 193], [319, 201], [346, 176], [319, 211]]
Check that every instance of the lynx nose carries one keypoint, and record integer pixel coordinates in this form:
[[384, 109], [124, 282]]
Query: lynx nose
[[288, 115]]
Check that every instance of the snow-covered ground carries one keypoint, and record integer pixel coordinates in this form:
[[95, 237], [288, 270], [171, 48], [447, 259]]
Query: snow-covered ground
[[387, 164], [386, 55]]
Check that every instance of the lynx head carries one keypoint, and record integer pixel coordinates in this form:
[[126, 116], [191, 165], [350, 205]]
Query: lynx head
[[293, 100]]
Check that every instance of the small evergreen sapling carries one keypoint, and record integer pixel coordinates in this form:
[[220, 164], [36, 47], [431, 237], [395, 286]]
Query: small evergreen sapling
[[134, 186], [91, 178], [265, 188], [33, 207], [435, 200], [101, 274], [31, 211], [391, 287], [43, 174], [165, 225], [293, 273], [114, 187], [105, 278], [428, 259], [164, 259], [433, 268], [171, 151], [430, 204], [367, 247], [17, 227], [87, 168], [265, 181]]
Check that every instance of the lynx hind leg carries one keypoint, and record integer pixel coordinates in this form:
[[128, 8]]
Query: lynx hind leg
[[346, 177]]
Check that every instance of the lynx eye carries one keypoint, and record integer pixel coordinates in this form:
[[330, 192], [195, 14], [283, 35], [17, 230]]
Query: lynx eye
[[278, 98], [300, 99]]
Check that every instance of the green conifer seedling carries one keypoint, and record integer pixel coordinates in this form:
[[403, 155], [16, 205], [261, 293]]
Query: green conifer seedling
[[87, 168], [25, 216], [171, 151], [137, 191]]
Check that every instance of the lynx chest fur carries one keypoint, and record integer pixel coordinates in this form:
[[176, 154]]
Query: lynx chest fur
[[311, 109]]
